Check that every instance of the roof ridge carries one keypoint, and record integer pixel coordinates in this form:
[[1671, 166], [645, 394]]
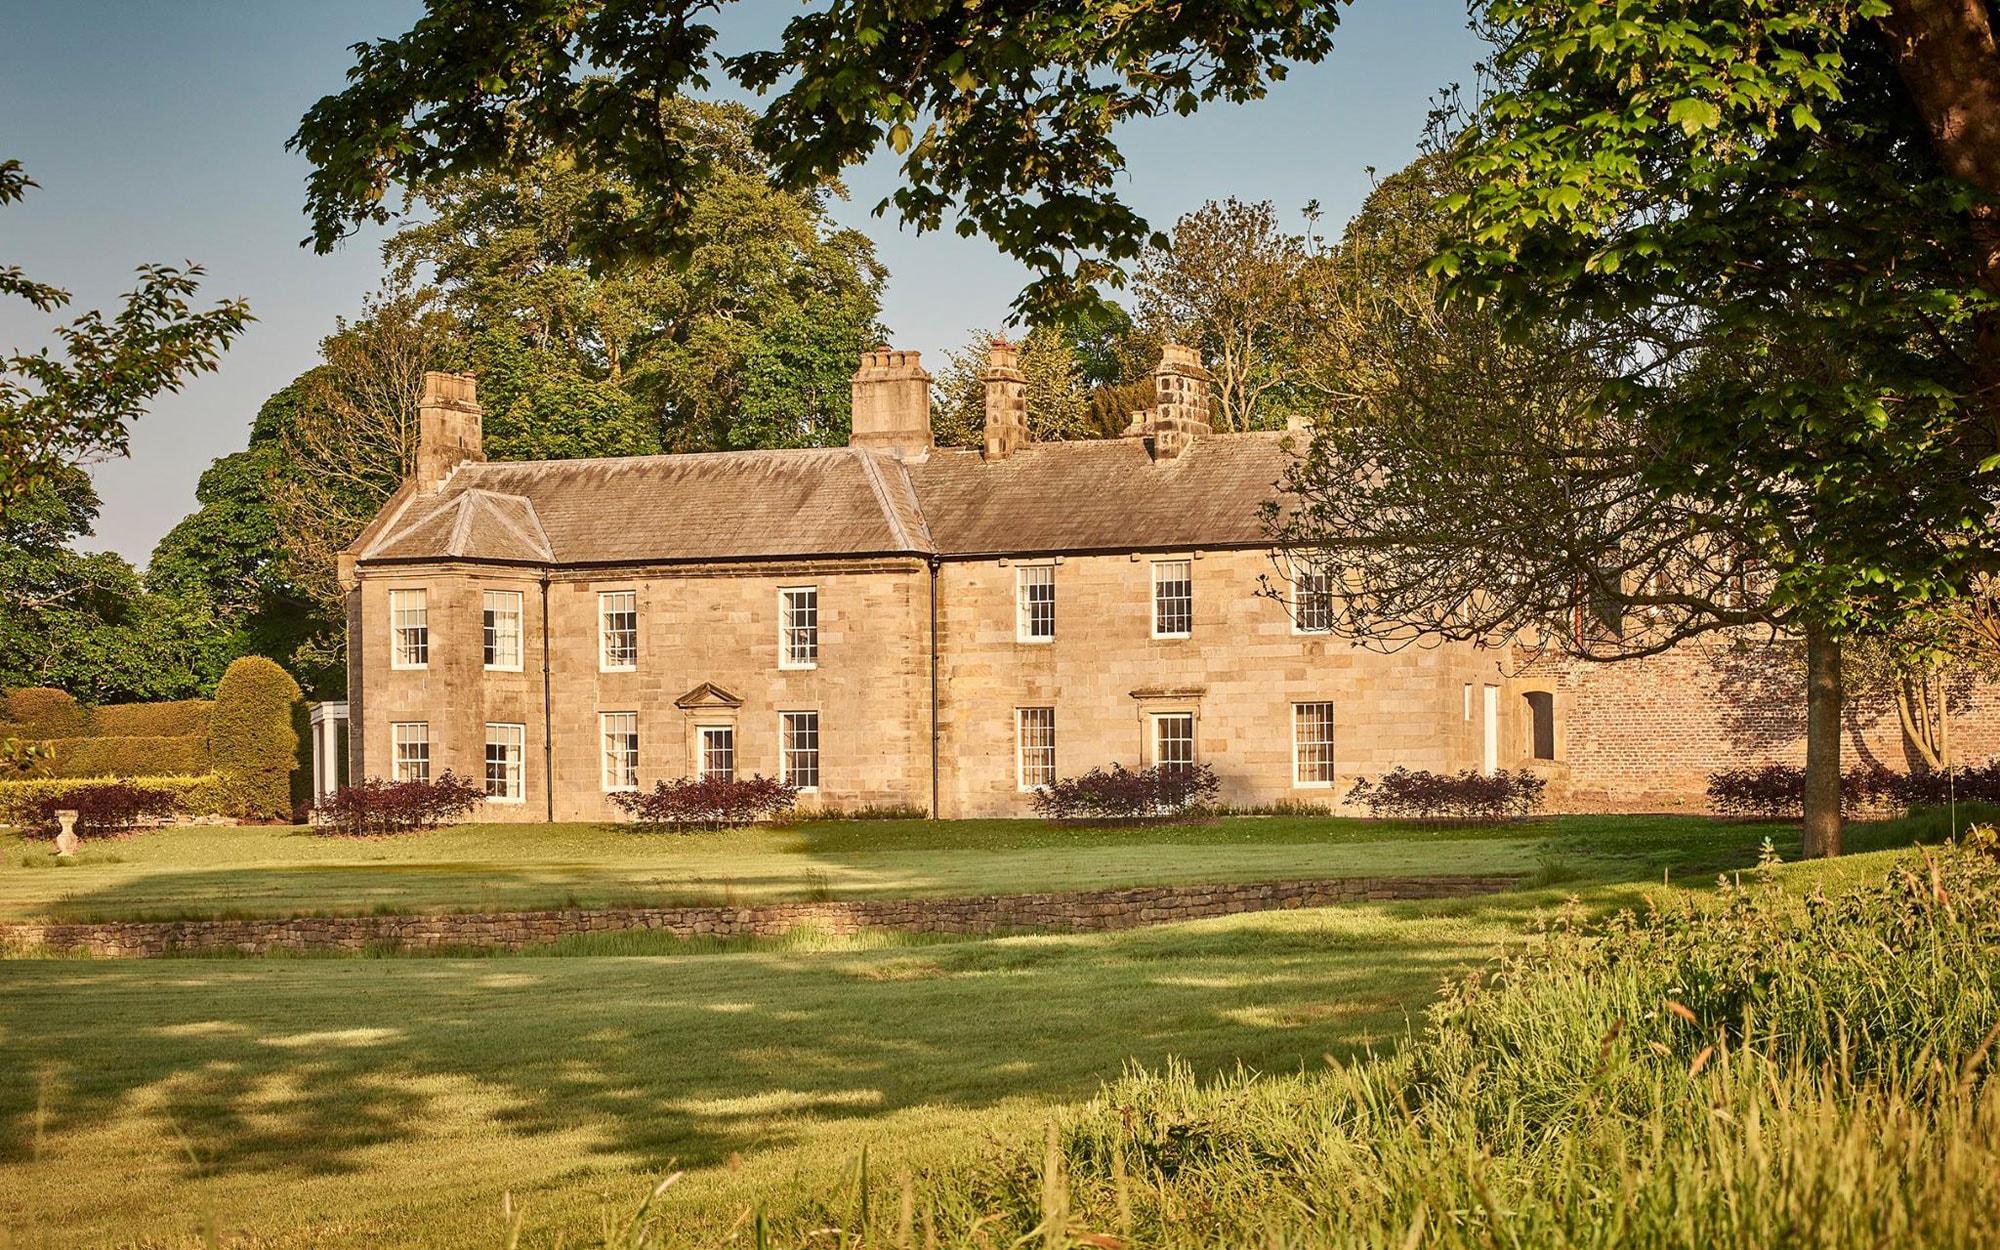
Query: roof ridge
[[461, 528], [677, 456]]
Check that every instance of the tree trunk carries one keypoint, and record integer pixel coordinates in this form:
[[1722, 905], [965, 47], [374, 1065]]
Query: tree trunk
[[1823, 695]]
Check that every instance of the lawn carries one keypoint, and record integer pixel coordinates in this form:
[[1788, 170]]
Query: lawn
[[200, 872], [337, 1102]]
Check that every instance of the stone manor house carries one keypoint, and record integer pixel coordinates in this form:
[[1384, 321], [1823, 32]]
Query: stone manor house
[[896, 624]]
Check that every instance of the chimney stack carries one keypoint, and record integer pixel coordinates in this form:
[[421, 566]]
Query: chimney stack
[[892, 404], [1180, 411], [447, 427], [1006, 401]]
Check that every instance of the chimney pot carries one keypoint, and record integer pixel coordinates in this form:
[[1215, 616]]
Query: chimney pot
[[1006, 401], [448, 427], [892, 404]]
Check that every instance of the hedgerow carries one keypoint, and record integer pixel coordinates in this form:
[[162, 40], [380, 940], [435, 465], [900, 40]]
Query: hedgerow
[[1467, 796], [40, 712], [105, 807], [182, 756], [707, 802], [190, 796], [178, 718], [1121, 794], [1778, 790]]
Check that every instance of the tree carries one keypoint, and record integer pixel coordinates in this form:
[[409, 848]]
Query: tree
[[79, 621], [352, 438], [1058, 399], [1250, 296], [748, 342], [1731, 213], [58, 411]]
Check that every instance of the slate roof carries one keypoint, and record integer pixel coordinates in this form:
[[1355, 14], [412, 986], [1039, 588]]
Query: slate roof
[[1108, 495]]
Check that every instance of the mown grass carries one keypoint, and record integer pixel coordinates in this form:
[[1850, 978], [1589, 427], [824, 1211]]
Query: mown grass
[[318, 1102], [187, 873]]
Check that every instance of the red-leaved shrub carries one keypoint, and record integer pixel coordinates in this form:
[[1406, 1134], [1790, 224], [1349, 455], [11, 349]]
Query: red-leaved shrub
[[107, 808], [1121, 794], [374, 807], [707, 802], [1778, 791], [1467, 796]]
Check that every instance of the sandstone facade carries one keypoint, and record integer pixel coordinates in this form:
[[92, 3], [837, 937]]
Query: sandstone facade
[[925, 684]]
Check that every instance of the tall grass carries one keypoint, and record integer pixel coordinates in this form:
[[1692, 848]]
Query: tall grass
[[1759, 1068]]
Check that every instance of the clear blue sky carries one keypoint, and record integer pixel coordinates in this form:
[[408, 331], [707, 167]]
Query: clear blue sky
[[157, 133]]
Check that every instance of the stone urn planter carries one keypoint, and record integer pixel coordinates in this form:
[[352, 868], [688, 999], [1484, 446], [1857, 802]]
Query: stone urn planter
[[66, 840]]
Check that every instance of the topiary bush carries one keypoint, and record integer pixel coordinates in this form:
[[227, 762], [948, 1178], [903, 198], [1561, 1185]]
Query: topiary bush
[[41, 712], [1468, 796], [707, 803], [1146, 794], [252, 740], [375, 808]]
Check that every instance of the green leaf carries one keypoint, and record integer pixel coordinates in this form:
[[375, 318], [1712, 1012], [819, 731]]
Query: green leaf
[[1693, 115]]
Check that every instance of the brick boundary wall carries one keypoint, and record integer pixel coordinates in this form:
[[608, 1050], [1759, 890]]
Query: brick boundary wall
[[1086, 911]]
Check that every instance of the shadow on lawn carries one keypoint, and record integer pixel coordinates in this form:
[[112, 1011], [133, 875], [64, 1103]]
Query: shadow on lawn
[[299, 1066]]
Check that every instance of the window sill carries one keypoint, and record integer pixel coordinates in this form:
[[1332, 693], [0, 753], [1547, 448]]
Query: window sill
[[1034, 642], [494, 798], [1313, 785], [503, 668], [408, 668], [621, 789], [1172, 637], [798, 668], [618, 668]]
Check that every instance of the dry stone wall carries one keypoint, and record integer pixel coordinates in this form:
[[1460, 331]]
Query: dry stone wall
[[1080, 912]]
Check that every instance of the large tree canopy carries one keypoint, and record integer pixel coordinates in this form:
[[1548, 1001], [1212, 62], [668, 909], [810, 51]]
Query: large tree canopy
[[1003, 114]]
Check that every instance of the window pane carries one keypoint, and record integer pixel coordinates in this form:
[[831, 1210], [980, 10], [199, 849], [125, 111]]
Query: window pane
[[504, 752], [1313, 601], [799, 610], [1174, 738], [501, 628], [1312, 743], [409, 629], [412, 750], [618, 613], [1036, 599], [1173, 598], [799, 764], [621, 750], [1036, 734], [718, 753]]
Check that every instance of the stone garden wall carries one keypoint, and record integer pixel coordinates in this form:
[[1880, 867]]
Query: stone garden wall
[[1080, 912]]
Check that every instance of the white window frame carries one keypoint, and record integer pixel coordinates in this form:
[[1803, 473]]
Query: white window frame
[[627, 758], [790, 631], [492, 611], [1468, 703], [604, 610], [1324, 709], [400, 605], [701, 733], [1026, 576], [1023, 779], [787, 749], [1187, 579], [1159, 725], [404, 735], [512, 739], [1311, 582]]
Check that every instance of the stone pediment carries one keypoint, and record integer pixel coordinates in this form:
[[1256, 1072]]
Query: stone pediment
[[708, 695], [1169, 692]]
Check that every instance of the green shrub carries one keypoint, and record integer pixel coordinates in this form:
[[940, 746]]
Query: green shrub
[[127, 757], [251, 738], [40, 712], [192, 796], [180, 718]]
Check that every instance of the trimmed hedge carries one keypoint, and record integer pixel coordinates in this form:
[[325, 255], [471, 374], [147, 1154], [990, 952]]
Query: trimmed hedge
[[707, 803], [374, 808], [181, 718], [41, 712], [252, 740], [20, 800], [1467, 796], [1155, 793], [127, 757]]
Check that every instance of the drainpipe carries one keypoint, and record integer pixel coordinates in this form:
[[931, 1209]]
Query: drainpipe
[[934, 562], [548, 716]]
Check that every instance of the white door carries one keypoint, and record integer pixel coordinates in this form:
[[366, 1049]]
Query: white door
[[1489, 755]]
